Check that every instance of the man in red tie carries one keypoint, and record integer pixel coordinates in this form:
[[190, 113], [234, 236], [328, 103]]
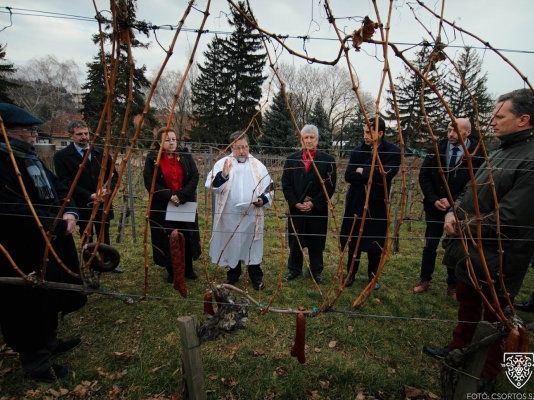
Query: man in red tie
[[304, 173]]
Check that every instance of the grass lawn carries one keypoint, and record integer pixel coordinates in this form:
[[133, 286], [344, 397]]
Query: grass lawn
[[134, 351]]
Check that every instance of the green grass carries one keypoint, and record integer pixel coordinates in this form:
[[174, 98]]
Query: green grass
[[377, 348]]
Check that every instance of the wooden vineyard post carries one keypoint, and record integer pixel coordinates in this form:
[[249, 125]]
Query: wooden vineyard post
[[192, 362], [467, 381]]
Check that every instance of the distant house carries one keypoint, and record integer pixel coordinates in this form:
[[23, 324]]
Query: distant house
[[55, 131]]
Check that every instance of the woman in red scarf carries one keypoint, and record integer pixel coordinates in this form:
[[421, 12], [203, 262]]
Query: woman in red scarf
[[176, 181]]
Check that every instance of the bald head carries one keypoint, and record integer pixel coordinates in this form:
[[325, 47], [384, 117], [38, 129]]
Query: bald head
[[464, 127]]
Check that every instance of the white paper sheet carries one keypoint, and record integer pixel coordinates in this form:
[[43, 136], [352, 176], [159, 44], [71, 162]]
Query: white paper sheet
[[184, 212]]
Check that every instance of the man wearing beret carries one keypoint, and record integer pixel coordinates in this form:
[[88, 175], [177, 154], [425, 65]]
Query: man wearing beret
[[66, 164], [29, 313]]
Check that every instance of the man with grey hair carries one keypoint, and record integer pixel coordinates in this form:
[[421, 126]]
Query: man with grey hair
[[86, 192], [496, 224], [436, 199], [308, 182]]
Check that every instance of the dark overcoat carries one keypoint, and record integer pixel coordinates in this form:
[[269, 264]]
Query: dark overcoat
[[296, 185], [160, 228], [375, 228], [512, 171], [432, 184], [66, 164], [28, 315]]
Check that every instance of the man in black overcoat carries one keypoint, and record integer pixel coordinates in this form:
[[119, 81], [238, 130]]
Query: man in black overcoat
[[29, 314], [66, 164], [436, 200], [308, 202], [357, 175]]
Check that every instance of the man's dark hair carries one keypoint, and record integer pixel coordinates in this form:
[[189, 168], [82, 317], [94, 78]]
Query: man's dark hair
[[522, 102], [75, 124], [381, 124], [240, 135]]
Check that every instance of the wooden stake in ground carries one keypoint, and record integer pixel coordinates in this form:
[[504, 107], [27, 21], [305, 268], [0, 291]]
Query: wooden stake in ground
[[192, 362]]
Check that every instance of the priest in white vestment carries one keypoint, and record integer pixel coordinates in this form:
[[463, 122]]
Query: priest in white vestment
[[243, 188]]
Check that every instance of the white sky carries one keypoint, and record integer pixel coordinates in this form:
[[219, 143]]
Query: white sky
[[504, 24]]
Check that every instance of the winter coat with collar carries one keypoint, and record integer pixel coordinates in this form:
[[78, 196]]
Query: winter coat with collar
[[431, 181], [512, 170], [375, 228]]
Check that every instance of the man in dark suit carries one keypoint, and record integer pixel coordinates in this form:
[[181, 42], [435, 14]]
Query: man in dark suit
[[308, 203], [376, 222], [86, 192], [436, 201]]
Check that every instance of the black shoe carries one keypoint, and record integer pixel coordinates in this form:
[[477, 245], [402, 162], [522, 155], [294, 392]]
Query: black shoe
[[64, 347], [527, 306], [52, 374], [436, 352], [291, 276], [486, 385], [230, 282], [318, 279], [350, 282], [117, 270], [259, 285], [192, 276], [377, 286]]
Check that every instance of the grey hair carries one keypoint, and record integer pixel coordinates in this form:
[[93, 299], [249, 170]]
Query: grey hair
[[75, 124], [310, 129], [522, 102]]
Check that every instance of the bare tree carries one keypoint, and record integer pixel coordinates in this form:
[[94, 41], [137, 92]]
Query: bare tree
[[49, 87]]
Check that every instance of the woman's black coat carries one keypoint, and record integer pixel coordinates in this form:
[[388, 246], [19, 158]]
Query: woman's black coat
[[160, 229]]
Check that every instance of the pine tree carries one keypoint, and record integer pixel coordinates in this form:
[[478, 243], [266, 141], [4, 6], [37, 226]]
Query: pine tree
[[233, 69], [458, 95], [6, 69], [319, 118], [209, 97], [279, 133], [408, 92], [95, 98], [353, 133]]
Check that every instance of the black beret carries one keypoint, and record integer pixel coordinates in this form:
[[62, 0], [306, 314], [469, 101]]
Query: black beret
[[13, 115]]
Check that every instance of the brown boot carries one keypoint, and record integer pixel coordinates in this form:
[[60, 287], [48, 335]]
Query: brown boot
[[451, 292], [421, 287]]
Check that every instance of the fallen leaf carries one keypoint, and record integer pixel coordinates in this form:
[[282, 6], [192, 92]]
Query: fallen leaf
[[324, 384], [332, 344], [114, 392], [119, 322], [414, 393], [277, 356], [360, 396], [320, 332], [377, 300], [315, 395], [350, 329], [123, 354], [118, 375], [391, 371], [156, 369], [54, 393], [259, 352], [79, 391], [234, 351], [214, 377], [230, 382], [317, 350], [280, 371]]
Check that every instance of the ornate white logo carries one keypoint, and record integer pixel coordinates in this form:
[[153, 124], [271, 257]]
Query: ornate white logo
[[519, 367]]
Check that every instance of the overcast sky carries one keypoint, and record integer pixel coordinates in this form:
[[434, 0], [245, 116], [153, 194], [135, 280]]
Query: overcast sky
[[504, 24]]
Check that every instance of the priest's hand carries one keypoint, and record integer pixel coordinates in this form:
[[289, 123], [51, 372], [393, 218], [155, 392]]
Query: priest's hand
[[258, 202], [227, 167]]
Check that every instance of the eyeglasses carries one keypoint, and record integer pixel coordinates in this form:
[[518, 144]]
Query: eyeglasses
[[239, 148], [33, 129], [81, 134]]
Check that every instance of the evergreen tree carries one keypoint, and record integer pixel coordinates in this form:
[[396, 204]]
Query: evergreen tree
[[353, 133], [209, 97], [408, 91], [6, 69], [458, 95], [95, 98], [319, 118], [279, 133], [234, 68]]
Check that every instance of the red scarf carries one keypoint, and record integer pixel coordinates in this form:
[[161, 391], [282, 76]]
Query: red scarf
[[172, 171], [306, 160]]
